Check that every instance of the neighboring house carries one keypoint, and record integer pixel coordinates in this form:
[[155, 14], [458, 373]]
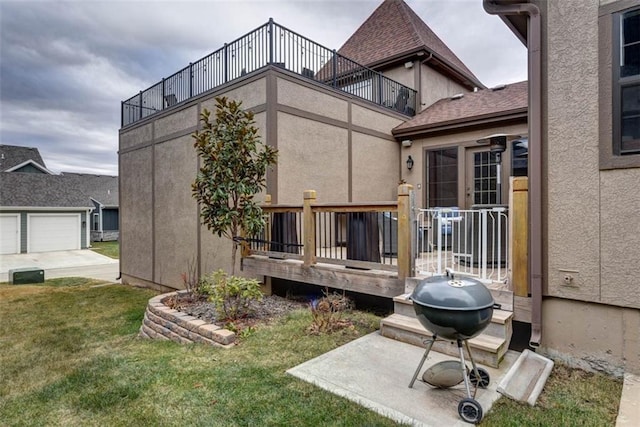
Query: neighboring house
[[14, 158], [41, 211], [103, 192], [346, 124]]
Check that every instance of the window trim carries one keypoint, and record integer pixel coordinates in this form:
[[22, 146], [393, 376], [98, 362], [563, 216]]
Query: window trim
[[610, 86], [619, 83]]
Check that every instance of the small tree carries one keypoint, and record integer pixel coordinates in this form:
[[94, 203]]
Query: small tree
[[233, 170]]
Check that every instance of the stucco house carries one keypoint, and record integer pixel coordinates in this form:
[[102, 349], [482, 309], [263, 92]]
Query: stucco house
[[395, 104], [41, 211], [584, 159]]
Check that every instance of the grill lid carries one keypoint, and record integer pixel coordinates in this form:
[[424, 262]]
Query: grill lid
[[447, 293]]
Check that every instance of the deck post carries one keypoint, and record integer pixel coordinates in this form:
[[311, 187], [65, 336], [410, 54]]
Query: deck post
[[519, 232], [405, 227], [309, 221]]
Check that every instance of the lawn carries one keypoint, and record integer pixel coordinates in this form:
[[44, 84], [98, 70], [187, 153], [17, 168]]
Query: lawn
[[70, 356], [110, 249]]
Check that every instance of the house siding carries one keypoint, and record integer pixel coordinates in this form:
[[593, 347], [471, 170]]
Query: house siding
[[435, 86], [590, 234], [29, 169], [330, 142], [109, 219]]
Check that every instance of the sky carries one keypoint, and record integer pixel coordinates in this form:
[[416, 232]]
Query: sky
[[65, 66]]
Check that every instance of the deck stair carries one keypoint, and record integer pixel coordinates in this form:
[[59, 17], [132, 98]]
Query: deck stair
[[488, 348]]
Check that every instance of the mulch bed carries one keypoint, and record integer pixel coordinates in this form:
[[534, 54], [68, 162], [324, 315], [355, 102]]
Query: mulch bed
[[269, 308]]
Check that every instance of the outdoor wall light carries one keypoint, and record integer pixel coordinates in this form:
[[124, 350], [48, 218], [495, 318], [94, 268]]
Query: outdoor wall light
[[409, 163]]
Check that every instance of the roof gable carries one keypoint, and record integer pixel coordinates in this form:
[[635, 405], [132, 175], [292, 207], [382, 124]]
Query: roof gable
[[394, 30], [29, 166], [488, 103], [14, 155]]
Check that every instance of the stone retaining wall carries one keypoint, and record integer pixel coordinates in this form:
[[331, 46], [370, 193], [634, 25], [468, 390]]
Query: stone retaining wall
[[162, 322]]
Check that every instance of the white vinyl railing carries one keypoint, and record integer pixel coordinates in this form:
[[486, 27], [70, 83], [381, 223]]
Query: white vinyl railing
[[471, 242]]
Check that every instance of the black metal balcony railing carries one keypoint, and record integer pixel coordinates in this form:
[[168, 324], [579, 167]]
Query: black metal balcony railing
[[270, 44]]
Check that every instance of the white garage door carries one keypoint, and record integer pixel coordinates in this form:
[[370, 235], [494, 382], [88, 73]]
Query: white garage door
[[9, 234], [53, 232]]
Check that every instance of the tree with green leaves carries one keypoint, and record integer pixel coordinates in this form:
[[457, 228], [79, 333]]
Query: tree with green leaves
[[233, 170]]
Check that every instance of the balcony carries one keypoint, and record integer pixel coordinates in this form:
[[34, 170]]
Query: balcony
[[269, 45]]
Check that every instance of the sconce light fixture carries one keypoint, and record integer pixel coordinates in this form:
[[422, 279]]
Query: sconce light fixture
[[409, 163]]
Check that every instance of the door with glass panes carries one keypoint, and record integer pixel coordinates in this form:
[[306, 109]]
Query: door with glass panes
[[484, 177]]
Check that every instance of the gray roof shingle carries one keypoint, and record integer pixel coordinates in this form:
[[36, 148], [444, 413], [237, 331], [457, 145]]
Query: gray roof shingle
[[13, 155], [101, 188], [394, 29], [474, 105], [40, 190]]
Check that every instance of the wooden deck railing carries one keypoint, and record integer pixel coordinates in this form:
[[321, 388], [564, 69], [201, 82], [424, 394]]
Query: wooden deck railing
[[376, 235]]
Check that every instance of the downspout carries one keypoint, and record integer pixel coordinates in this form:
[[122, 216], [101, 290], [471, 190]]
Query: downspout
[[535, 154]]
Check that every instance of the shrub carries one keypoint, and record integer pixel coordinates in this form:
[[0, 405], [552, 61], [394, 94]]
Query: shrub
[[326, 313], [231, 295]]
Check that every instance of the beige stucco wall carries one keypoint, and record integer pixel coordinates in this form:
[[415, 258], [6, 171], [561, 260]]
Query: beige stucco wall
[[176, 211], [373, 119], [416, 176], [136, 196], [591, 236], [314, 101], [620, 244], [183, 119], [572, 159], [375, 173], [251, 94], [137, 136], [435, 86], [312, 156], [402, 75], [319, 135]]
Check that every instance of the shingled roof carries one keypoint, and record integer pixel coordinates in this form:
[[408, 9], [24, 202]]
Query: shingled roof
[[483, 104], [40, 190], [101, 188], [14, 155], [395, 31]]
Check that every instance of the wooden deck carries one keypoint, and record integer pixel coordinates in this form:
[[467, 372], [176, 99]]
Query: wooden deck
[[381, 283]]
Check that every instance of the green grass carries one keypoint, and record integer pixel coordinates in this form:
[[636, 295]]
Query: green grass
[[70, 356], [110, 249], [571, 397]]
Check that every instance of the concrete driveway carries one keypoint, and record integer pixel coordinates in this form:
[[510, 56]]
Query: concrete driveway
[[79, 263]]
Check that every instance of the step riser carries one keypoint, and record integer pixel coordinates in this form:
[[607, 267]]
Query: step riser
[[499, 330], [445, 347], [404, 309], [494, 329]]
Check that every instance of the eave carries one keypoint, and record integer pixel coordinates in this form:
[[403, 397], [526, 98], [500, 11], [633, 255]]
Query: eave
[[426, 56], [461, 123]]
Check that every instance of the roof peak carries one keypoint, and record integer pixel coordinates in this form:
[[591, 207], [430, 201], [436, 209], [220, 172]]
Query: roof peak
[[393, 32]]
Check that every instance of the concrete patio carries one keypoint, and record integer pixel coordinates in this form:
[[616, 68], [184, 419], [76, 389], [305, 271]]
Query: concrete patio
[[375, 372]]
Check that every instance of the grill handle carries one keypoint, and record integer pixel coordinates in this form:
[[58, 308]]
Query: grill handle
[[497, 306]]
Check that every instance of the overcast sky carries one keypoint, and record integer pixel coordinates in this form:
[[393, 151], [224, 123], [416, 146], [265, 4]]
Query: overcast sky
[[65, 66]]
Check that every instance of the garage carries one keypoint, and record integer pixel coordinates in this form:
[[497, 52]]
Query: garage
[[53, 232], [9, 234]]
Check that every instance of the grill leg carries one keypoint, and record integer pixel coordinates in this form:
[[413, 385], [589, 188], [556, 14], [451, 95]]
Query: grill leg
[[464, 367], [473, 363], [424, 357]]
